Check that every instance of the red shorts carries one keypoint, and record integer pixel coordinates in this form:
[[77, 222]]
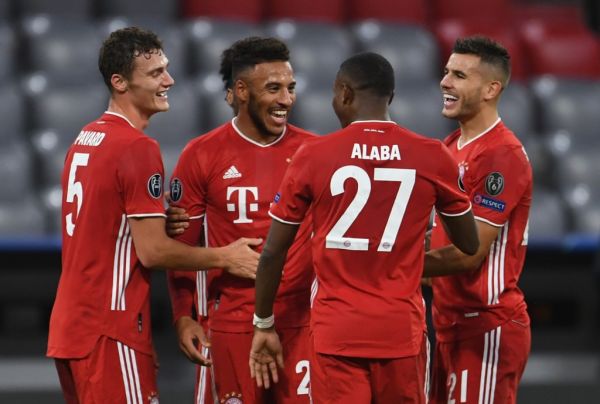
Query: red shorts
[[231, 374], [341, 379], [111, 373], [483, 369]]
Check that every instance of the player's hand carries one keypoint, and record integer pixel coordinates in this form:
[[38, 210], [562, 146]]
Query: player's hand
[[265, 356], [191, 336], [177, 221], [240, 259], [427, 240]]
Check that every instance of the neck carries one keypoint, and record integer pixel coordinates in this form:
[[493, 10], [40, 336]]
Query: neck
[[246, 125], [475, 125], [368, 113], [134, 115]]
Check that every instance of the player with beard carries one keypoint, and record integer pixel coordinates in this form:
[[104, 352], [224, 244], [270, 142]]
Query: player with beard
[[480, 316], [225, 180]]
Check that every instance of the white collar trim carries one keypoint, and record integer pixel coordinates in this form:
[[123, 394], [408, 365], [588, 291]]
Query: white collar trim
[[373, 121], [246, 138], [460, 146], [120, 116]]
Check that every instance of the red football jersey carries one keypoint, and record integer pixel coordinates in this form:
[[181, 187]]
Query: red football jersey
[[371, 186], [112, 172], [496, 174], [228, 181]]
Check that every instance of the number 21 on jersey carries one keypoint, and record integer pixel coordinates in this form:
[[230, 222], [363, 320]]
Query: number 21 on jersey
[[75, 189], [406, 181]]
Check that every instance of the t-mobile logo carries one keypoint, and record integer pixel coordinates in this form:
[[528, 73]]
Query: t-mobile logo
[[242, 202]]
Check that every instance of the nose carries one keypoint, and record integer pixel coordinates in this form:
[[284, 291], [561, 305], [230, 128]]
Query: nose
[[168, 79], [445, 82], [286, 98]]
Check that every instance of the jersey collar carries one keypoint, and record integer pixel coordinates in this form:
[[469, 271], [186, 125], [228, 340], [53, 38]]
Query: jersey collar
[[246, 138], [120, 116], [460, 146]]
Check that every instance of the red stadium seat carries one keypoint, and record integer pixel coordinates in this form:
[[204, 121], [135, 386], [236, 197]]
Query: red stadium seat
[[248, 10], [448, 31], [559, 48], [474, 10], [332, 11], [411, 11]]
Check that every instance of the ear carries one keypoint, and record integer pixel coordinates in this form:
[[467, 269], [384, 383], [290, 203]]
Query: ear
[[493, 90], [347, 94], [229, 96], [119, 83], [391, 98], [241, 90]]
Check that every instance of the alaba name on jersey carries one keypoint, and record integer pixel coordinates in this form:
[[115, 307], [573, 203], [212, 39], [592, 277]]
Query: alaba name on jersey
[[228, 181], [496, 174], [371, 188], [112, 172]]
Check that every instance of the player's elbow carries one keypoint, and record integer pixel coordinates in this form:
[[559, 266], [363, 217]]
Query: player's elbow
[[470, 246], [151, 257]]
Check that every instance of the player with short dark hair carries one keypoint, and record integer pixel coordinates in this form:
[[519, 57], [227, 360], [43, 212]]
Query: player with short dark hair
[[482, 327], [370, 187], [114, 231], [227, 179]]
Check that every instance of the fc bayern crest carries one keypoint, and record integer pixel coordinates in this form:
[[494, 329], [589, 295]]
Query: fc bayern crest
[[176, 189], [232, 398], [155, 185], [462, 168], [494, 184]]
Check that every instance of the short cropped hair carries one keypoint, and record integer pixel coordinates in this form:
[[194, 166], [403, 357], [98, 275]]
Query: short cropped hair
[[488, 50], [254, 50], [119, 50], [370, 72]]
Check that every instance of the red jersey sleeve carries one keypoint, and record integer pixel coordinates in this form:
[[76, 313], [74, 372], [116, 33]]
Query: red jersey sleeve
[[140, 173], [451, 201], [496, 182], [188, 183], [293, 200]]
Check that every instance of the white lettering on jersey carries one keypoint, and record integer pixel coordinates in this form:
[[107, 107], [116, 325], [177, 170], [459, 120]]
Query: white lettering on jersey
[[242, 205], [370, 152], [89, 138]]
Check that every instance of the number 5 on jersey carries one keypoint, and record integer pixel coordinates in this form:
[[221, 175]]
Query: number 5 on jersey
[[75, 189], [336, 237]]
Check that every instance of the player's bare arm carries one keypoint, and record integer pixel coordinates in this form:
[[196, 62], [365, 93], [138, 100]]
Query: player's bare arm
[[450, 260], [156, 250], [191, 336], [266, 352]]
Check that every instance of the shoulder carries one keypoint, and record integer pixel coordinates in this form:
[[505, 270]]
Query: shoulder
[[208, 141], [299, 132]]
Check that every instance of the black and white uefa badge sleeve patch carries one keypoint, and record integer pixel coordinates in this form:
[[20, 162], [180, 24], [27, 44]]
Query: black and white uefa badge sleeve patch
[[176, 190], [155, 185], [494, 184]]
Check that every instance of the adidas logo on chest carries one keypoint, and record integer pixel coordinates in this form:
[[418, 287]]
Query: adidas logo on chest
[[232, 172]]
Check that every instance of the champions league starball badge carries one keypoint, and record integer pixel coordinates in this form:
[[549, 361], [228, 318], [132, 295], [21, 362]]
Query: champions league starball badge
[[155, 186], [176, 190], [494, 184]]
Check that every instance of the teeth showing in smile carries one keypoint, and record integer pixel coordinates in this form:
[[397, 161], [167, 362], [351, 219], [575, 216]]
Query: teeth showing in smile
[[162, 94], [279, 114], [449, 98]]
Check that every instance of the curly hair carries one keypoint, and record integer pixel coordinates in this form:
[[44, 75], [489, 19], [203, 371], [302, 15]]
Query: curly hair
[[225, 69], [370, 72], [119, 50], [251, 51]]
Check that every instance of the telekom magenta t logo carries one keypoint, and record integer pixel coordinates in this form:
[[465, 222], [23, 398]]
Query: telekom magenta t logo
[[242, 202]]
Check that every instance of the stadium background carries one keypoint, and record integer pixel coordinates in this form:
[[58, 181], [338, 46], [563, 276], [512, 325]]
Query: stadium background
[[50, 86]]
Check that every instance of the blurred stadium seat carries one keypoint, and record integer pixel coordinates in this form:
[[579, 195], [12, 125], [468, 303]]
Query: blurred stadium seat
[[517, 110], [63, 50], [12, 114], [316, 49], [578, 173], [216, 110], [418, 107], [209, 37], [184, 119], [392, 11], [494, 11], [22, 219], [569, 109], [16, 171], [331, 11], [412, 50], [245, 10], [82, 9], [313, 112], [9, 45], [163, 9], [548, 219]]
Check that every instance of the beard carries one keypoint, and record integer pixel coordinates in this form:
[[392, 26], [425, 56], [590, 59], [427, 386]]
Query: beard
[[254, 112]]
